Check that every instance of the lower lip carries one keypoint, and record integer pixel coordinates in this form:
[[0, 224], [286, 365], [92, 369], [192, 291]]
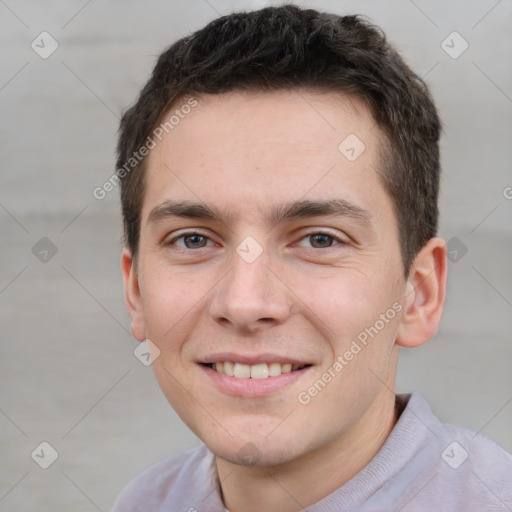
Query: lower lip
[[252, 388]]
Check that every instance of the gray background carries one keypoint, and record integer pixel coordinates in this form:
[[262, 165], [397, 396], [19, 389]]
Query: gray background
[[68, 373]]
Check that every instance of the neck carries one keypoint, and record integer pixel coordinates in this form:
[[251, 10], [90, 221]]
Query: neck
[[300, 483]]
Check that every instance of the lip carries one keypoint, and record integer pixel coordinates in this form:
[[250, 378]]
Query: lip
[[252, 388], [250, 359]]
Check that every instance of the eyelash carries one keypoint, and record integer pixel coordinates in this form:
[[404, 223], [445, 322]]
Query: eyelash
[[312, 233]]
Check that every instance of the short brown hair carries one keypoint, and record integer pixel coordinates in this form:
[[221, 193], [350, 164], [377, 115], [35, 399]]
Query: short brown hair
[[287, 48]]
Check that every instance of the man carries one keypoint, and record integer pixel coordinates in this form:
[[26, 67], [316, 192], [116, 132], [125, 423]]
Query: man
[[279, 180]]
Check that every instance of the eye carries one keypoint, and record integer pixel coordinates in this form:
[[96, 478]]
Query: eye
[[194, 240], [321, 240], [191, 240]]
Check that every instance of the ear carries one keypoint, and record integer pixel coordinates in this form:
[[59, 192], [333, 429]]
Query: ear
[[425, 295], [132, 295]]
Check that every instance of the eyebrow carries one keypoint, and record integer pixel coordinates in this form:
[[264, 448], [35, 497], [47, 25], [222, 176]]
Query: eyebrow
[[280, 213]]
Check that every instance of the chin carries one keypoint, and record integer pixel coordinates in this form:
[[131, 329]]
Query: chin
[[254, 453], [261, 446]]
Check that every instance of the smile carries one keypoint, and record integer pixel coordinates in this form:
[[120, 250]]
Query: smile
[[254, 371]]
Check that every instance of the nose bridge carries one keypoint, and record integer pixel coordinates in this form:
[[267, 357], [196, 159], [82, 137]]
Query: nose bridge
[[251, 295]]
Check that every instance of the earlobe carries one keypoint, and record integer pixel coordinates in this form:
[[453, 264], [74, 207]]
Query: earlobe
[[425, 295], [133, 297]]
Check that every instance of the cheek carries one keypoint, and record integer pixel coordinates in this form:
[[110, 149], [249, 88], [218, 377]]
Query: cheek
[[357, 314], [170, 305], [171, 310], [344, 302]]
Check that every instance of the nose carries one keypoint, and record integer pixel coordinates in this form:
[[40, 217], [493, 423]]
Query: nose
[[251, 297]]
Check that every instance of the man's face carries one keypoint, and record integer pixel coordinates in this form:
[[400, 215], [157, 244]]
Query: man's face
[[267, 285]]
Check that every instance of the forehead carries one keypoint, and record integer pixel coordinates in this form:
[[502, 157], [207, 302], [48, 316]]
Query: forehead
[[247, 149]]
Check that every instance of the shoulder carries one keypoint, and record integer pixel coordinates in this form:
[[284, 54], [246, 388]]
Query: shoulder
[[171, 480], [485, 462], [466, 470]]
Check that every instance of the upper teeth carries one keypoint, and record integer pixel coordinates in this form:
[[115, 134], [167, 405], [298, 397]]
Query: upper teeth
[[254, 371]]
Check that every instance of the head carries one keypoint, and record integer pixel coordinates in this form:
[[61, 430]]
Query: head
[[284, 210]]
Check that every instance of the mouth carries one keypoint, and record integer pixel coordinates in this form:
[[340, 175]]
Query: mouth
[[254, 371]]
